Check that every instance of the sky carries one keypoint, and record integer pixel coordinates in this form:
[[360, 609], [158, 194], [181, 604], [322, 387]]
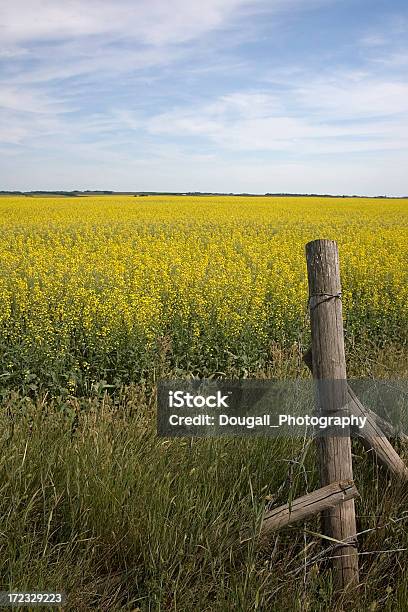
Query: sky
[[300, 96]]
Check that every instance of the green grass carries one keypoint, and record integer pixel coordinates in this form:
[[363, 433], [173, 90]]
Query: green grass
[[93, 503]]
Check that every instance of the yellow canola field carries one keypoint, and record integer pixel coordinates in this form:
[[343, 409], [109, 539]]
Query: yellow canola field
[[112, 285]]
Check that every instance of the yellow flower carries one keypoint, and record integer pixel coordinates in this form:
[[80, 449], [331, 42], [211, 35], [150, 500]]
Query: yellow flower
[[96, 278]]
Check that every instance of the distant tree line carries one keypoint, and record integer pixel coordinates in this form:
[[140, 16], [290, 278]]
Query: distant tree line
[[77, 193]]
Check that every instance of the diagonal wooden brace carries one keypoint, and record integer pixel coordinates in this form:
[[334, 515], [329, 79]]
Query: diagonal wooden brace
[[374, 433], [308, 505]]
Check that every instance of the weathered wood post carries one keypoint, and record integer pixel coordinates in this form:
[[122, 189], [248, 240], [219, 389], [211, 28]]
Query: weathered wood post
[[329, 368]]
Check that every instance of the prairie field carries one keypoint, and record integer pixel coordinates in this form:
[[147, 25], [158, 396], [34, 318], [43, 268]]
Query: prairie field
[[100, 297], [114, 290]]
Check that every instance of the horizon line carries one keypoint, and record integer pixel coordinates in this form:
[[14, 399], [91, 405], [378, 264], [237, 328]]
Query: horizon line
[[79, 192]]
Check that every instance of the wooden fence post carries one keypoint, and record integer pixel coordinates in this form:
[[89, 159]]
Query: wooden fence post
[[329, 367]]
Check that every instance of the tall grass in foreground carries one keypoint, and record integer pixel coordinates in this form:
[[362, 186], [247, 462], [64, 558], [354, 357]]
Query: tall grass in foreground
[[94, 504]]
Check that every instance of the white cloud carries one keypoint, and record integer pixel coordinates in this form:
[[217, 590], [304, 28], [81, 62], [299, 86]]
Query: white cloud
[[12, 52], [29, 100], [343, 115], [393, 60], [28, 129], [154, 22], [373, 40], [345, 96], [104, 62]]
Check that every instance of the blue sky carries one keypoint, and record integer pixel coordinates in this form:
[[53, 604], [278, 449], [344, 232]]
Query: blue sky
[[222, 95]]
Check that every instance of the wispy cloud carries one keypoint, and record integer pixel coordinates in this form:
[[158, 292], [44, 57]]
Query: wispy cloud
[[177, 91], [345, 113], [156, 22]]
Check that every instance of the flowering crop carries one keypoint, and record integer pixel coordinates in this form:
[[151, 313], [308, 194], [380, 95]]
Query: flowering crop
[[112, 287]]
